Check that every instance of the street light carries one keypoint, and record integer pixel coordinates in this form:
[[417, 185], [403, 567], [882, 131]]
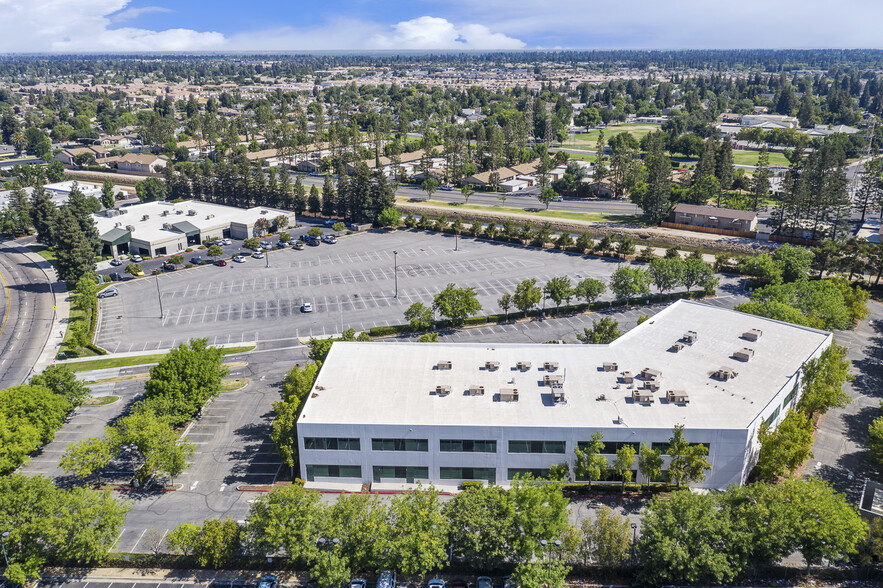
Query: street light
[[330, 544], [557, 545], [634, 539], [395, 258], [159, 297], [3, 539]]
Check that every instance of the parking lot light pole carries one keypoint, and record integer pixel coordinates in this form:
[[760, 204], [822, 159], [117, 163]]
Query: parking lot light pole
[[395, 271], [557, 545], [330, 544], [159, 297], [3, 539], [634, 539]]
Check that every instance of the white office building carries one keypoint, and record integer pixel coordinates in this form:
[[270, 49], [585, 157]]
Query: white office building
[[392, 414]]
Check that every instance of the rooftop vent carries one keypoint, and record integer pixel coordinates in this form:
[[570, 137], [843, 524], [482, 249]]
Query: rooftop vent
[[442, 390], [509, 394], [165, 213], [476, 390], [724, 374], [642, 397], [602, 397], [752, 335], [145, 217], [116, 225], [677, 397], [522, 366], [744, 354], [558, 396], [444, 365], [627, 377], [650, 385], [550, 366], [609, 366], [191, 212], [130, 228], [677, 347], [549, 380], [690, 337], [179, 212], [492, 365], [167, 226], [650, 374]]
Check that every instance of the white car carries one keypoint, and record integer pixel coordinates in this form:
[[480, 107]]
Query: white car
[[330, 239], [306, 307], [226, 242], [137, 258], [110, 292], [239, 259], [258, 255]]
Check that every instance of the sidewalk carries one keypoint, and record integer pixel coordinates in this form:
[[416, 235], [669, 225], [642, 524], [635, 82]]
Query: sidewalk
[[167, 575], [60, 317]]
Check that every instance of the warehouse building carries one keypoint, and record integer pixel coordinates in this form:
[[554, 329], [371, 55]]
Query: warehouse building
[[392, 414], [165, 228]]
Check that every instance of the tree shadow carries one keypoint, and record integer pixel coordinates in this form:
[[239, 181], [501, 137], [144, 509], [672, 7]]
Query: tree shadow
[[869, 368]]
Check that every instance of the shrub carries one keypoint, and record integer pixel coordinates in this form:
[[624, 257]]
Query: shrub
[[188, 250], [383, 331]]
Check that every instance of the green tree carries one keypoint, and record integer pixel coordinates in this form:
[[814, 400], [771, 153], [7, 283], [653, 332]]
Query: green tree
[[29, 417], [505, 303], [539, 574], [540, 512], [134, 269], [875, 438], [666, 273], [214, 251], [420, 541], [589, 289], [481, 525], [429, 185], [74, 255], [389, 218], [650, 463], [823, 380], [456, 304], [559, 289], [622, 465], [688, 461], [590, 464], [107, 197], [288, 518], [628, 282], [151, 190], [607, 538], [603, 331], [467, 191], [86, 457], [527, 295], [760, 180], [184, 538], [654, 196], [62, 381], [213, 545], [785, 448], [43, 215], [419, 317], [696, 272], [295, 386], [546, 196], [794, 262], [314, 201]]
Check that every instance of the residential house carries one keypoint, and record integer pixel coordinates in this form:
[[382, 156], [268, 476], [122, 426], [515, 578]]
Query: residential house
[[713, 217], [68, 156], [145, 163], [483, 179]]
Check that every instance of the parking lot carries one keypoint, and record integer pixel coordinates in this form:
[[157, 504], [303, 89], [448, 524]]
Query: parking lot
[[351, 284]]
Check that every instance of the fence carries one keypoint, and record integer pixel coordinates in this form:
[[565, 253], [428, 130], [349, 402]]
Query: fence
[[746, 234]]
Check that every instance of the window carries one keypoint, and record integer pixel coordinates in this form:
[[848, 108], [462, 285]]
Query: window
[[663, 447], [522, 472], [772, 419], [468, 445], [332, 443], [333, 471], [487, 474], [536, 446], [611, 447], [400, 444], [791, 395], [409, 473]]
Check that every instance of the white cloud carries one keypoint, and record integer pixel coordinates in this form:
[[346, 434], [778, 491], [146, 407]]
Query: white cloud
[[132, 13]]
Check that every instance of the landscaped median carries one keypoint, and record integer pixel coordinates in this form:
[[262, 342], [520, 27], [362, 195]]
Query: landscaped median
[[128, 360]]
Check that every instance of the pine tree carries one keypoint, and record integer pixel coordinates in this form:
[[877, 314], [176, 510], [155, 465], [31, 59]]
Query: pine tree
[[43, 213], [340, 205], [725, 168], [18, 213], [760, 182], [107, 197], [299, 203], [314, 203], [82, 212], [806, 114], [656, 200], [382, 197], [74, 256]]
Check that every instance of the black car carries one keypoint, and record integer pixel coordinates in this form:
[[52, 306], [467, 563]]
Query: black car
[[196, 260], [116, 277], [169, 267]]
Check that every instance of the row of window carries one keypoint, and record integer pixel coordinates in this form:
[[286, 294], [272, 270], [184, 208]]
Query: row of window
[[413, 473]]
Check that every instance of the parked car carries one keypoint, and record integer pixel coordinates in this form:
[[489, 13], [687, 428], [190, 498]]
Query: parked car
[[435, 583], [459, 584], [169, 267], [196, 260], [116, 277], [239, 259], [387, 579], [226, 242], [308, 307], [220, 263], [316, 175], [266, 244], [115, 262], [484, 582], [280, 245], [358, 583], [445, 188], [508, 582], [330, 239], [257, 255], [330, 221], [269, 581], [312, 241], [108, 293], [559, 199], [299, 245], [137, 259]]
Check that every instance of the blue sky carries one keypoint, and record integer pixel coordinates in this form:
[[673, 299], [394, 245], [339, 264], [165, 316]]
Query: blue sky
[[227, 25]]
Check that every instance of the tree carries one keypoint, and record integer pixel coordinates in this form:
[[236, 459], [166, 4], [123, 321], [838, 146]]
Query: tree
[[627, 282], [419, 317], [666, 273], [760, 180], [607, 537], [184, 538], [107, 197], [654, 197], [785, 448], [86, 457], [419, 544], [43, 215], [429, 185], [505, 303], [650, 463], [29, 417], [314, 203], [74, 255], [151, 190], [546, 196], [214, 545], [875, 438], [288, 518], [295, 386], [186, 378], [625, 459], [589, 289], [590, 464], [688, 461], [559, 289], [538, 574], [794, 262], [540, 512], [689, 538], [603, 331], [456, 304], [262, 226], [695, 272], [467, 191], [823, 380], [527, 295], [62, 381], [215, 251], [389, 218], [134, 269]]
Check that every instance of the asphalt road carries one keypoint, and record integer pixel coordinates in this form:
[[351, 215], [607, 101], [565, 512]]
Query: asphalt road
[[352, 284], [25, 314]]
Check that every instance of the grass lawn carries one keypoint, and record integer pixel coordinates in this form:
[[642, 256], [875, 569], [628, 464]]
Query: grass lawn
[[101, 400], [750, 158], [591, 138], [67, 347], [111, 362], [551, 214], [231, 385], [44, 252]]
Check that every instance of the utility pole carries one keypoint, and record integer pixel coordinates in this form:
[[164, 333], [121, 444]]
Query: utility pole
[[395, 257], [159, 297]]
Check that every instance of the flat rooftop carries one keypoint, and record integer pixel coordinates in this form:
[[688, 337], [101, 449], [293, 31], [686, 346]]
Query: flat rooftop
[[395, 383]]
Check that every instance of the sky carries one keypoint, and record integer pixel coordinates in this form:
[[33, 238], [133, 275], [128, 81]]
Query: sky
[[297, 25]]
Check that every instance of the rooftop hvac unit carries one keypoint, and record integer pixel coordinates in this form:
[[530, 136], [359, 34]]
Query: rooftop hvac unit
[[642, 397], [191, 212], [522, 366], [609, 366], [116, 225], [509, 394], [444, 365], [179, 212], [690, 337], [123, 211], [165, 213], [627, 377], [602, 397], [650, 385], [676, 347], [677, 397], [476, 390], [442, 390], [724, 374], [130, 228], [167, 226], [264, 211], [549, 380], [492, 365], [650, 374], [744, 354], [558, 396], [752, 335], [145, 217], [550, 366]]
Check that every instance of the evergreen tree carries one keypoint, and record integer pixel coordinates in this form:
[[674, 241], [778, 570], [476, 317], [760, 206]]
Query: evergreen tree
[[806, 114], [760, 181], [314, 203], [299, 203], [75, 257], [17, 218], [107, 197], [382, 197], [340, 205], [725, 168], [656, 196], [329, 196], [361, 208], [43, 213]]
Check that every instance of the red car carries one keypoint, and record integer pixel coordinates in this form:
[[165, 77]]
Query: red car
[[220, 263]]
